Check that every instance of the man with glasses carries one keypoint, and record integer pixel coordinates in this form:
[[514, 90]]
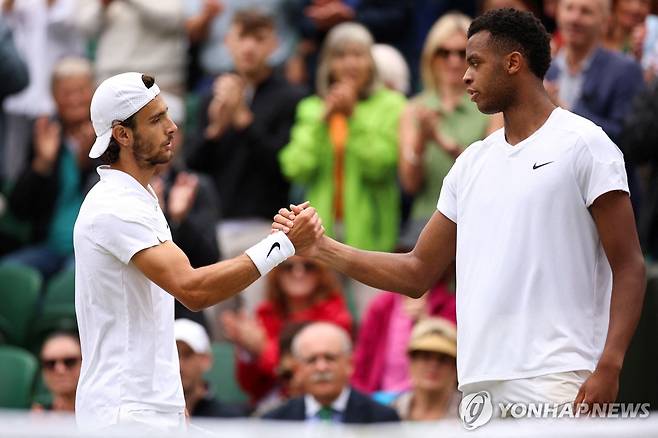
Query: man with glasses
[[324, 358]]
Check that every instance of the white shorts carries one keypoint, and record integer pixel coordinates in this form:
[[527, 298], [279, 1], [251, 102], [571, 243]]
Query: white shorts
[[557, 388], [151, 420]]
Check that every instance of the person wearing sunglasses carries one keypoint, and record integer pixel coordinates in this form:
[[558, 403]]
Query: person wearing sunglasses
[[60, 364], [439, 122], [298, 290]]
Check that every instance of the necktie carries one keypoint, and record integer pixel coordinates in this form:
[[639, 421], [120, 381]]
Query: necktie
[[326, 413]]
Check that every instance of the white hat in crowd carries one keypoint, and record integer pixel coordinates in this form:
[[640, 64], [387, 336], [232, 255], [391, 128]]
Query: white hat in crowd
[[193, 334], [117, 98]]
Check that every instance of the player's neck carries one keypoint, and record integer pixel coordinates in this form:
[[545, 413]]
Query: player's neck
[[529, 113], [141, 174]]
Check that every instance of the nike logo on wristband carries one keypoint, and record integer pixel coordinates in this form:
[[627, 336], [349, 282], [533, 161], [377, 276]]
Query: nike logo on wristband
[[276, 245]]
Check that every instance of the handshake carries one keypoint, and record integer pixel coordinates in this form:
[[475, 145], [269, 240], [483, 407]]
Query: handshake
[[302, 225]]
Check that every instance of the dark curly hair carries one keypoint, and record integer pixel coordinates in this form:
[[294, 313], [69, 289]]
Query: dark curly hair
[[517, 30], [111, 154]]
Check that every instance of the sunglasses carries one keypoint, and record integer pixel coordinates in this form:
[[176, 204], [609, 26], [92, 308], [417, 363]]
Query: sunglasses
[[446, 53], [69, 362], [306, 266]]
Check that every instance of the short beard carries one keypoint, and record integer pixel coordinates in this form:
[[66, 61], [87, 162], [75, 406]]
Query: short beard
[[140, 153]]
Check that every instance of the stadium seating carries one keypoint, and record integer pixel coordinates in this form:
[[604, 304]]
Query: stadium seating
[[19, 291], [58, 310], [222, 377], [18, 369]]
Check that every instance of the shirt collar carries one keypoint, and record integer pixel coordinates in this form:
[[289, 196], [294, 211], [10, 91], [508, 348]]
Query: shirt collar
[[561, 61], [125, 180], [339, 405]]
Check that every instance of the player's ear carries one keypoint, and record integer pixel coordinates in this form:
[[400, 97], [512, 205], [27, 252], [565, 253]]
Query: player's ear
[[513, 62], [122, 134]]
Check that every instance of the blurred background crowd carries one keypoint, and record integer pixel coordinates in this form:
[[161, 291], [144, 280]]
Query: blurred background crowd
[[355, 105]]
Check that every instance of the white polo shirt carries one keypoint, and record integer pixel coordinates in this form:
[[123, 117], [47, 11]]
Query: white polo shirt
[[126, 322], [533, 281]]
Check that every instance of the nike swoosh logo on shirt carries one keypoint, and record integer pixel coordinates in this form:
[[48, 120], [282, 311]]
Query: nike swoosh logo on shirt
[[274, 245], [535, 166]]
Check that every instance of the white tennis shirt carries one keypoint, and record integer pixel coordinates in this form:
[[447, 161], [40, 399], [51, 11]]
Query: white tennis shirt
[[126, 322], [533, 281]]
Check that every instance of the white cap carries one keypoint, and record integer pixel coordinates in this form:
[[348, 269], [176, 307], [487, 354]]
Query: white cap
[[117, 98], [193, 334]]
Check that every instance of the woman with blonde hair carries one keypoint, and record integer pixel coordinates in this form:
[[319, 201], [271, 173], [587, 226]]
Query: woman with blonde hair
[[344, 145], [440, 122], [298, 290]]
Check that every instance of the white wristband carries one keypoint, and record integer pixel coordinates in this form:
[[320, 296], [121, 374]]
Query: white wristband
[[271, 251]]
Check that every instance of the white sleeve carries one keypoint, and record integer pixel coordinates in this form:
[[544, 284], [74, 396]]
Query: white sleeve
[[599, 167], [123, 237], [448, 198]]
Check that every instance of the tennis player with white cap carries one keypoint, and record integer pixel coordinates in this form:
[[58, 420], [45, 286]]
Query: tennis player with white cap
[[128, 271]]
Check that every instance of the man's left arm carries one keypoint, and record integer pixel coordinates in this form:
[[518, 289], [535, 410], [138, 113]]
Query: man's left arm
[[613, 215]]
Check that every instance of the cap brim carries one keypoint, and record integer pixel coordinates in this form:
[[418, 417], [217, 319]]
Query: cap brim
[[100, 145], [434, 343]]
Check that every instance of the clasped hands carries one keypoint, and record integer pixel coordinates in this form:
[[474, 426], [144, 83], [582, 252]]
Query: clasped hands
[[302, 225]]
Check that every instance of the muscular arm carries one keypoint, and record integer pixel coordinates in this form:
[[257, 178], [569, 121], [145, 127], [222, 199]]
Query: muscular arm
[[168, 267], [614, 220], [411, 274]]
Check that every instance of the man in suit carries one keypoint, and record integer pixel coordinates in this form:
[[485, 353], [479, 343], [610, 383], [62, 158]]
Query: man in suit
[[589, 80], [324, 355]]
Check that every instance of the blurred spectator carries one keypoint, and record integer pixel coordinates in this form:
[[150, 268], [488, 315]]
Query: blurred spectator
[[298, 290], [287, 383], [380, 359], [44, 33], [137, 35], [189, 202], [50, 188], [432, 354], [246, 120], [392, 68], [441, 121], [344, 148], [13, 76], [625, 30], [387, 20], [195, 359], [586, 78], [521, 5], [590, 80], [60, 358], [214, 18], [639, 143], [324, 355]]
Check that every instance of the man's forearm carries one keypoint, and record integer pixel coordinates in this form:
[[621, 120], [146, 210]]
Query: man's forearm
[[628, 288], [401, 273]]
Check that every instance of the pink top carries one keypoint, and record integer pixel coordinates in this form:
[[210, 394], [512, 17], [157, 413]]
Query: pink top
[[396, 366]]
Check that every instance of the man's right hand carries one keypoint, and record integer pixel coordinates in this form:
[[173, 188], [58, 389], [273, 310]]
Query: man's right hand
[[46, 144], [304, 229]]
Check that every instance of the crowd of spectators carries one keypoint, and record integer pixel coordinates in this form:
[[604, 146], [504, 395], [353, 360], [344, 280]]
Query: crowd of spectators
[[358, 107]]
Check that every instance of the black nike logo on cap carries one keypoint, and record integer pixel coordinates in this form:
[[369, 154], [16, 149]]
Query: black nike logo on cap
[[274, 245], [535, 166]]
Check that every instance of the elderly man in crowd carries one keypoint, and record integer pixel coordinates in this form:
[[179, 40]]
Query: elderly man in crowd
[[324, 355]]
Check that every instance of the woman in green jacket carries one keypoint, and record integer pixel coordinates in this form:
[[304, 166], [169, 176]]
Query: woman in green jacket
[[344, 144]]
